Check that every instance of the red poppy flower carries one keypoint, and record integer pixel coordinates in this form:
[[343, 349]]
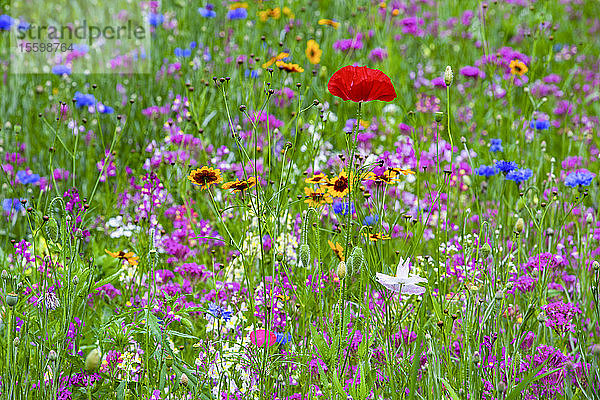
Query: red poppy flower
[[361, 84], [261, 337]]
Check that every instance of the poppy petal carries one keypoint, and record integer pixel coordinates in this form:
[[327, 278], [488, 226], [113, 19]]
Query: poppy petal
[[260, 336], [360, 84]]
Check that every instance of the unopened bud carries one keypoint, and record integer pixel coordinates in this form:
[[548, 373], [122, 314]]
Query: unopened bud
[[184, 380], [52, 356], [596, 265], [92, 361], [448, 76], [341, 270], [358, 260], [485, 250], [501, 387], [16, 341], [499, 295], [304, 254], [519, 225], [476, 357], [439, 116]]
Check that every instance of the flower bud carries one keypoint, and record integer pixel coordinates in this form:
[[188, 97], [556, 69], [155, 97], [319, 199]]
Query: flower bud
[[541, 317], [476, 358], [51, 230], [341, 270], [448, 76], [439, 116], [519, 226], [304, 254], [92, 361], [52, 356], [499, 295], [279, 257], [16, 341], [358, 260], [184, 380], [501, 387], [596, 265], [4, 274], [485, 250], [589, 218]]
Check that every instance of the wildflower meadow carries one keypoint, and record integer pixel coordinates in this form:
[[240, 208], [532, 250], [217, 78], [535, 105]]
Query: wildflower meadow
[[300, 200]]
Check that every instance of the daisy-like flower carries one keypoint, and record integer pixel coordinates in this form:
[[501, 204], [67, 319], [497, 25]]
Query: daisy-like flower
[[373, 237], [317, 197], [339, 186], [289, 67], [402, 282], [121, 255], [313, 52], [389, 176], [317, 179], [518, 67], [329, 22], [337, 249], [278, 57], [240, 186], [205, 176]]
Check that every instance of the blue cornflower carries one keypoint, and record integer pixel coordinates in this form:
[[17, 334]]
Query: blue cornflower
[[207, 11], [61, 70], [506, 166], [486, 170], [179, 52], [214, 310], [238, 13], [25, 178], [579, 178], [341, 207], [540, 125], [225, 314], [519, 175], [496, 145], [283, 338], [251, 73], [156, 19], [370, 220], [84, 100], [23, 25], [12, 204], [104, 109], [5, 22]]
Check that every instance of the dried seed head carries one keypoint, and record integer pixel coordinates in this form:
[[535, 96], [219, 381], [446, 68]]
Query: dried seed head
[[519, 226], [341, 270]]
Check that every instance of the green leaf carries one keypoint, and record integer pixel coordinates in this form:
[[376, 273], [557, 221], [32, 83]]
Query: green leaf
[[415, 364], [337, 384], [321, 344], [108, 279], [450, 389], [121, 390]]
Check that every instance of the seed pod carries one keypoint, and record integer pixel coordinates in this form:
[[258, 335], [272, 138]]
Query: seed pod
[[51, 230], [12, 299], [184, 380], [485, 251]]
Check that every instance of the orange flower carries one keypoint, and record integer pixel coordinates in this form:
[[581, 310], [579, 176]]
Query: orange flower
[[240, 186], [518, 67], [313, 52], [315, 198], [329, 22], [289, 67], [121, 255], [278, 57], [274, 13], [337, 249], [205, 176], [235, 6]]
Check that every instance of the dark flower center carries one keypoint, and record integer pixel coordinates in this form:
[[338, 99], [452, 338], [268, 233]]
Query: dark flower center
[[341, 184], [205, 177]]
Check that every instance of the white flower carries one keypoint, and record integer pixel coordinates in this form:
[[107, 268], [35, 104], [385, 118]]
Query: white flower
[[402, 282]]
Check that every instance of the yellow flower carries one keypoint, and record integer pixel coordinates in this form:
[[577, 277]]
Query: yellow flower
[[518, 67], [235, 6], [315, 198], [278, 57], [313, 52], [289, 67], [121, 255], [205, 176], [240, 186], [288, 12], [373, 237], [339, 186], [337, 249], [317, 178], [274, 13], [329, 22]]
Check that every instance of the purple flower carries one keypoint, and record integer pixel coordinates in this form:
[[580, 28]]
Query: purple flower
[[496, 145], [378, 54], [472, 72], [506, 166], [560, 316], [486, 171]]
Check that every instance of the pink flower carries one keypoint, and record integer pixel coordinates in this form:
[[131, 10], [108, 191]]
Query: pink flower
[[262, 336]]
